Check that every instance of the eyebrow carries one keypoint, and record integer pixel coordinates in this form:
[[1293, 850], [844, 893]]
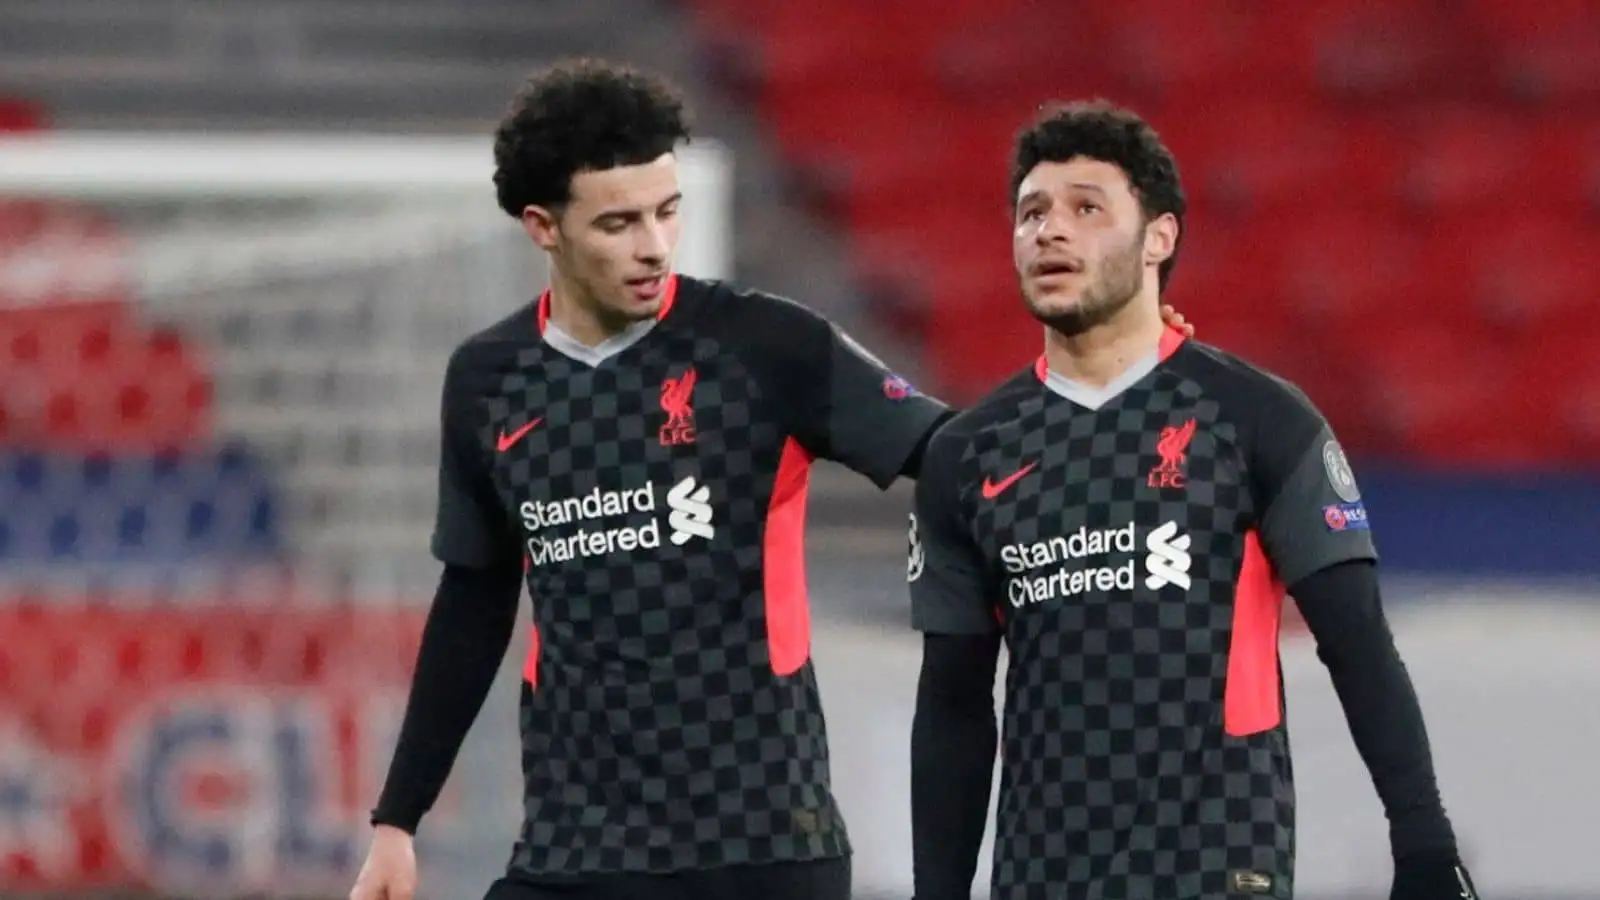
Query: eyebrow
[[633, 212], [1041, 194]]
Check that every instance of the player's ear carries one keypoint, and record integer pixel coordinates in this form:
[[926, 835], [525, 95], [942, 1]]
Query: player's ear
[[1160, 239], [542, 225]]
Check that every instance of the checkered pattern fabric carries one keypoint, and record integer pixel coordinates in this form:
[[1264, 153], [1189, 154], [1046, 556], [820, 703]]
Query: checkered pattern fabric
[[656, 736], [1118, 779]]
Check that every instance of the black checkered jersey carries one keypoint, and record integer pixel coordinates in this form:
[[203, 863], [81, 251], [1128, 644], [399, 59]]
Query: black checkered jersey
[[654, 488], [1131, 546]]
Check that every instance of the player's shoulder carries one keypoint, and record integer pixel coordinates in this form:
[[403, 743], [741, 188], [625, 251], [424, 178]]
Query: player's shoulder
[[733, 308], [1242, 388], [1003, 404], [488, 351]]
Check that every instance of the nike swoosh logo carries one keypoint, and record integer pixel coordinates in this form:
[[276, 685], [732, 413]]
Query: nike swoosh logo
[[507, 441], [993, 489]]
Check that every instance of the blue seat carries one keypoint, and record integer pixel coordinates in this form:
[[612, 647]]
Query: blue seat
[[213, 506]]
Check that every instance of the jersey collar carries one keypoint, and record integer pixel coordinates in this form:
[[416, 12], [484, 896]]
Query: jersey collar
[[1171, 340], [669, 294]]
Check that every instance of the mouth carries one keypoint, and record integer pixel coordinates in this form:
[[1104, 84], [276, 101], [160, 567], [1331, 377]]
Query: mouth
[[1056, 267], [646, 287]]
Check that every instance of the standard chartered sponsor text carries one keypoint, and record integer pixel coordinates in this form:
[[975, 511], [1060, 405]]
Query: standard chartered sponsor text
[[1086, 543], [690, 515], [537, 516]]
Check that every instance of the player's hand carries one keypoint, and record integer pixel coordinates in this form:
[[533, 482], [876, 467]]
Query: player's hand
[[390, 872], [1174, 319], [1432, 878]]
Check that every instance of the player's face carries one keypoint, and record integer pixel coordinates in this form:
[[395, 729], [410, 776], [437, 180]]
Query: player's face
[[1080, 243], [614, 241]]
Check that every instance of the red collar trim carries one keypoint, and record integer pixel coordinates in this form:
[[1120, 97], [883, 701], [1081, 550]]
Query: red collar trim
[[670, 294], [1171, 340]]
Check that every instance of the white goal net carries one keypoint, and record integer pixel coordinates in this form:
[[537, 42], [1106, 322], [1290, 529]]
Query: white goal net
[[220, 365]]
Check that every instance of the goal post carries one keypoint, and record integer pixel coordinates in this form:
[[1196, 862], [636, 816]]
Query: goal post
[[220, 366]]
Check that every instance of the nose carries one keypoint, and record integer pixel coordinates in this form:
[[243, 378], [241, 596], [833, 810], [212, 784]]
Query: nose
[[1056, 228], [653, 244]]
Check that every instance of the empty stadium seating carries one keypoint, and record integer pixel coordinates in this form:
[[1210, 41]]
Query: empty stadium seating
[[1396, 204], [108, 464]]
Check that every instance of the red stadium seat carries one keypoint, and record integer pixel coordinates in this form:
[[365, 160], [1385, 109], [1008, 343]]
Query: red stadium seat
[[1529, 274], [1473, 159], [813, 131], [981, 335], [1365, 219], [1014, 64], [1349, 268], [959, 168], [1223, 272], [1439, 397], [1169, 48], [1562, 370], [1586, 144], [898, 200], [1542, 51], [1514, 19], [1396, 52], [808, 43], [1268, 157]]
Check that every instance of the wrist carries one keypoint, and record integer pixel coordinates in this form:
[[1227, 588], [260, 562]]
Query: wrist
[[383, 821], [1423, 834]]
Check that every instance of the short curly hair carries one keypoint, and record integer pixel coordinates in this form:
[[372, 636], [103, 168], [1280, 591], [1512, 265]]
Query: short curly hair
[[1098, 129], [581, 115]]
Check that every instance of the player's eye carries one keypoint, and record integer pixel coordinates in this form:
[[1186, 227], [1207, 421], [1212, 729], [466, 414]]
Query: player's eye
[[668, 212], [1088, 207], [1032, 215]]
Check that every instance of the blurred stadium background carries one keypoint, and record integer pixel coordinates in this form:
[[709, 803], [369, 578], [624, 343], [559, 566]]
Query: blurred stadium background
[[237, 240]]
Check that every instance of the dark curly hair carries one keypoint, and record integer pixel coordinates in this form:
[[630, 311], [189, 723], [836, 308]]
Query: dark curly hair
[[1098, 129], [581, 115]]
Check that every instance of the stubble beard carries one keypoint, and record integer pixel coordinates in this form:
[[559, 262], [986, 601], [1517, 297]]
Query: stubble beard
[[1121, 277]]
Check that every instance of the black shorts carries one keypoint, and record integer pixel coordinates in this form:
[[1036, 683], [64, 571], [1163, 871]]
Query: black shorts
[[823, 879]]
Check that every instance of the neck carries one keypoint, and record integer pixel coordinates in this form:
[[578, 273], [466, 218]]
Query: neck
[[1097, 356], [580, 320]]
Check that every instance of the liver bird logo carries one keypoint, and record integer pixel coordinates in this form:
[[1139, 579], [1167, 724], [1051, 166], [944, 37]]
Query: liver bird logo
[[677, 398], [1173, 448]]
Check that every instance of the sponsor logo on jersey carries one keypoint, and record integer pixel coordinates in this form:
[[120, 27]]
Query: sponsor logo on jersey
[[689, 512], [1096, 560], [551, 539], [1168, 559]]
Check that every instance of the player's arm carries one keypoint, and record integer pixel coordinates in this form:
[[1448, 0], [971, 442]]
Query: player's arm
[[1315, 533], [472, 618], [841, 403], [953, 734], [469, 627]]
